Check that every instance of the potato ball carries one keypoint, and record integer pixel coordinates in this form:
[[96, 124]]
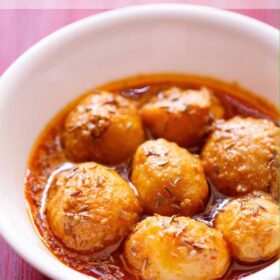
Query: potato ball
[[103, 127], [90, 207], [250, 225], [176, 248], [168, 178], [242, 155], [181, 116]]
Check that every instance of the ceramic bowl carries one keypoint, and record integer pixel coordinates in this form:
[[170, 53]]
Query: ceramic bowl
[[109, 46]]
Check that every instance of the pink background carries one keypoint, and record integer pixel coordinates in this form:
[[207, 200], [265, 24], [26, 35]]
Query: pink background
[[20, 29]]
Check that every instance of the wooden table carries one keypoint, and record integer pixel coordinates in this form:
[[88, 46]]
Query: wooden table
[[20, 29]]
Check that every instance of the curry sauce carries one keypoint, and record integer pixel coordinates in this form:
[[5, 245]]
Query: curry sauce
[[49, 157]]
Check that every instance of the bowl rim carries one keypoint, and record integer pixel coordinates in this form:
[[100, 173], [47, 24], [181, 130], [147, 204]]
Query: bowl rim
[[252, 26]]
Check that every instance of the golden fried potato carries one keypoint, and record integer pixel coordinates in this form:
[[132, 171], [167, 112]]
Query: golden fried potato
[[169, 248], [242, 155], [103, 127], [90, 207], [250, 225], [181, 116], [168, 178]]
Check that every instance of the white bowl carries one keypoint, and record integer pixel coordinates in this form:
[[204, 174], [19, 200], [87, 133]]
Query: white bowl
[[113, 45]]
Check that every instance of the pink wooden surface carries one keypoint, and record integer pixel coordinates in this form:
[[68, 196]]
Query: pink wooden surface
[[20, 29]]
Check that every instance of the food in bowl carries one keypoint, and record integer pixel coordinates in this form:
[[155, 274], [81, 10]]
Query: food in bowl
[[139, 178], [171, 247], [250, 224], [89, 196], [241, 156], [167, 114], [95, 121], [162, 173]]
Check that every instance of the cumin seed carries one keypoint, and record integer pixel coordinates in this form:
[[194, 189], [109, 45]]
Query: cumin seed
[[162, 162], [272, 163], [199, 246], [186, 242], [180, 231], [150, 153], [175, 206], [262, 207], [256, 210], [73, 174], [96, 184], [85, 208], [168, 191], [171, 182], [85, 214], [229, 146], [145, 264], [172, 219], [160, 200], [174, 182], [75, 193], [133, 252]]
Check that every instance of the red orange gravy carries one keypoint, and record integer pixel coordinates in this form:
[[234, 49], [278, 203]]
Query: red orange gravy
[[48, 158]]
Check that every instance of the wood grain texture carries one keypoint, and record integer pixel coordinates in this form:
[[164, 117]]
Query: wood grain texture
[[19, 30], [12, 267]]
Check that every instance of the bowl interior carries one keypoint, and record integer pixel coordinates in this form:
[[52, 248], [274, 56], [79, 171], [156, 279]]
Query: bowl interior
[[118, 44]]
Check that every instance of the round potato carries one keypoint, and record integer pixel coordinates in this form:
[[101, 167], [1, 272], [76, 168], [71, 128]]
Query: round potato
[[181, 116], [250, 225], [103, 127], [176, 248], [242, 155], [90, 207], [168, 178]]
